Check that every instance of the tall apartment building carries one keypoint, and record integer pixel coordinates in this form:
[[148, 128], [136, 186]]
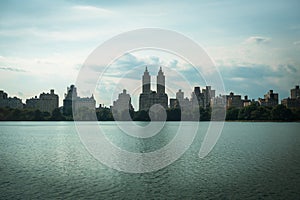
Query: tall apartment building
[[73, 101], [122, 106]]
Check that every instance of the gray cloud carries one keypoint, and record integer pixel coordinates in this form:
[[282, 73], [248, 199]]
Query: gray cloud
[[255, 80], [13, 69]]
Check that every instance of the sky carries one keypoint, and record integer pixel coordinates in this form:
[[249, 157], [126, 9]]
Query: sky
[[255, 45]]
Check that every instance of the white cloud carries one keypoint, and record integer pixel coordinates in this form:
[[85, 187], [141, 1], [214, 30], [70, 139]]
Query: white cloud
[[257, 40], [92, 9], [69, 35]]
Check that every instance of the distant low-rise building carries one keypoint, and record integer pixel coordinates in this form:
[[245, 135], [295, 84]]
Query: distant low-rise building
[[9, 102], [246, 101], [46, 102], [270, 99], [233, 101], [291, 103]]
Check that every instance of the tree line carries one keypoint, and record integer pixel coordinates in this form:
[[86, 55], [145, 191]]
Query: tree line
[[261, 113], [249, 113]]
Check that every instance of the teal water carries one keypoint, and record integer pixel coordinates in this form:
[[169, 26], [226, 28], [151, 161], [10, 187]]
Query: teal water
[[46, 160]]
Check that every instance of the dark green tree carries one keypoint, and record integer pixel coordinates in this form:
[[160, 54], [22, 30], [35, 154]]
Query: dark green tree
[[173, 114], [232, 113], [57, 115], [142, 116], [282, 113]]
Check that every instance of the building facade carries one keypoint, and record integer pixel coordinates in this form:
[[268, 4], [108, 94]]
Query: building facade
[[122, 106], [295, 92], [46, 102], [73, 102], [270, 99], [202, 99], [294, 100], [233, 101], [148, 98], [246, 101], [9, 102]]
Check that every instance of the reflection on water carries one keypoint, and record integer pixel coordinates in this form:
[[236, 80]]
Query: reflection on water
[[250, 160]]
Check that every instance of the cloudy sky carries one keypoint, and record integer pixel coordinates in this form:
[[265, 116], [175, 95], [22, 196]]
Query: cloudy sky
[[254, 44]]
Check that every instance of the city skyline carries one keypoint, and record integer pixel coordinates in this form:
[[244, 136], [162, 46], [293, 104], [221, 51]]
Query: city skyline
[[255, 45], [146, 95]]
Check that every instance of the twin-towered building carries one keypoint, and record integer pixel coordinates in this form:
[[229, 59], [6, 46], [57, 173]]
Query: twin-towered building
[[148, 97]]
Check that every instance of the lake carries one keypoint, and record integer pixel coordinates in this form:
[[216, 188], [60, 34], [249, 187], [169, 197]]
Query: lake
[[47, 160]]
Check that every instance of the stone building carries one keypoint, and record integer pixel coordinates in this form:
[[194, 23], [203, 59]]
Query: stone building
[[46, 102], [294, 100], [148, 98], [228, 101], [270, 99], [295, 92], [246, 101], [73, 101], [233, 100], [9, 102]]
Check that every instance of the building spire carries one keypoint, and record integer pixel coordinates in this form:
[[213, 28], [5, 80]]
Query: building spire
[[146, 81], [160, 83]]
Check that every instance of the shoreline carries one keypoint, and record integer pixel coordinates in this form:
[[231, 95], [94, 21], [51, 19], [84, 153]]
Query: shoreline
[[259, 121]]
